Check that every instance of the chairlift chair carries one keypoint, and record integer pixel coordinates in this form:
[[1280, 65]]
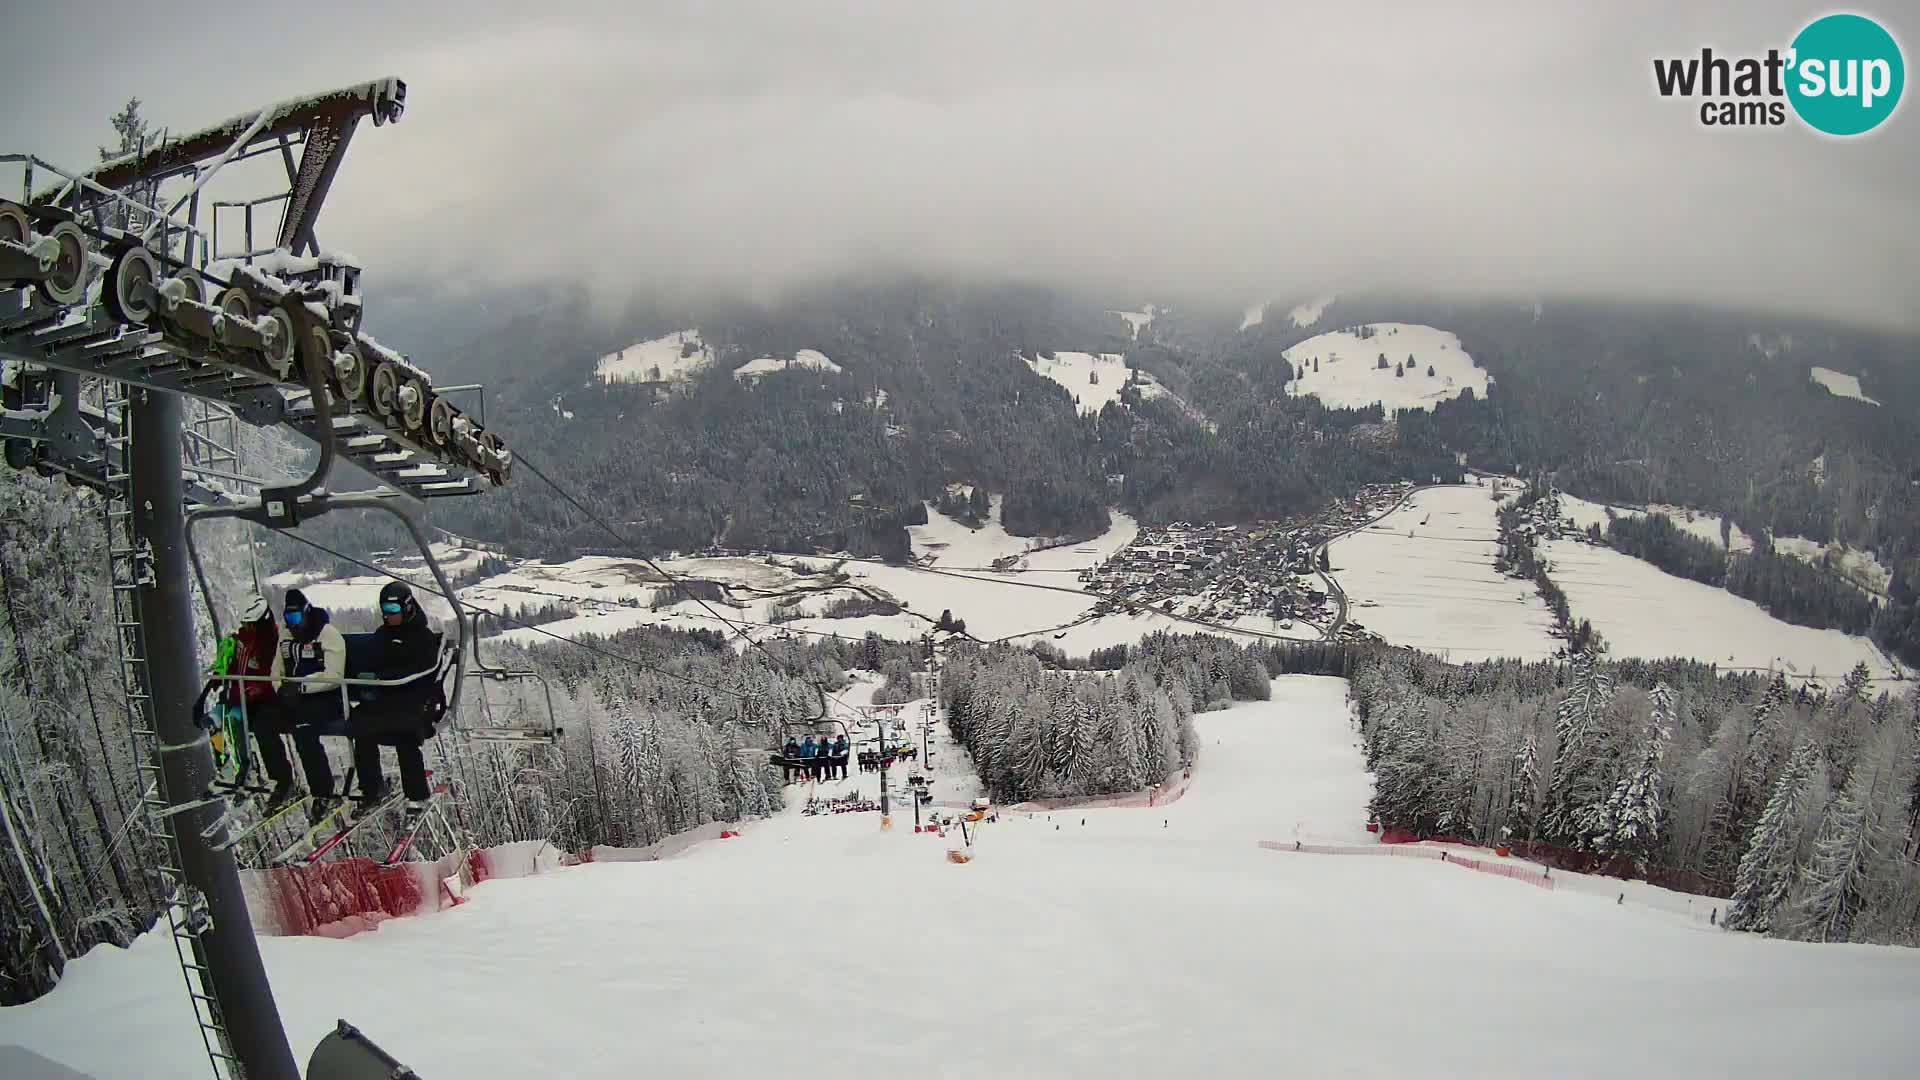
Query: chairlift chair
[[544, 727]]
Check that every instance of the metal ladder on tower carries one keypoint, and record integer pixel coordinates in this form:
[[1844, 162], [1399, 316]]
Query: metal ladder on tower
[[132, 572]]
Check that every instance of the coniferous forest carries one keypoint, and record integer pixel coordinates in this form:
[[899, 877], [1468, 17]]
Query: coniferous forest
[[1801, 810]]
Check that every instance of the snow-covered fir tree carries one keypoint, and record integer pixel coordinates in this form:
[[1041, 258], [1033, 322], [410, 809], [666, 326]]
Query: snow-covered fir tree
[[1575, 784], [1524, 791], [1767, 869], [1629, 821], [1838, 876]]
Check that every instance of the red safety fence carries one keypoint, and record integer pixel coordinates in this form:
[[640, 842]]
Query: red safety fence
[[1584, 862], [347, 896], [1532, 876]]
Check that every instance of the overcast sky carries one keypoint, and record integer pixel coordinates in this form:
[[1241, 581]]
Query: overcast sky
[[1181, 151]]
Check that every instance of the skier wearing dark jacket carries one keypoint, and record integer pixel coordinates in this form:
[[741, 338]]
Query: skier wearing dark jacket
[[402, 717], [790, 759]]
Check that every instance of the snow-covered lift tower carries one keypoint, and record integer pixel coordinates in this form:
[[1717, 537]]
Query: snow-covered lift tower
[[129, 331]]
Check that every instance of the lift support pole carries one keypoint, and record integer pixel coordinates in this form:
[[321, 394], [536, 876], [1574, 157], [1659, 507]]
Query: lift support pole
[[231, 955]]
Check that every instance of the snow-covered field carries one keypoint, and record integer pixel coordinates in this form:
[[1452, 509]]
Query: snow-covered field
[[1860, 567], [1696, 523], [1436, 589], [1350, 376], [1643, 611], [1840, 384], [946, 543], [1099, 943], [658, 360], [767, 365]]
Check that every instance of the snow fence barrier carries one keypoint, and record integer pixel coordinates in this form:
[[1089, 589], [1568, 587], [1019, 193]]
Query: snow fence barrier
[[345, 897], [1537, 877]]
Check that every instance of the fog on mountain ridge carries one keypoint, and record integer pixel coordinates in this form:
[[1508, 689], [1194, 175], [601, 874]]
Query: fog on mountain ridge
[[1230, 155]]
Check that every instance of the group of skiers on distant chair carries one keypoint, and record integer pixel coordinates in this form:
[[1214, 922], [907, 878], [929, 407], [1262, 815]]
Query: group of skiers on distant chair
[[315, 652], [810, 760]]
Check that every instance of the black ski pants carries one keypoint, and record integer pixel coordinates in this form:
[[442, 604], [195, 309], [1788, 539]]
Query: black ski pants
[[390, 723], [306, 718]]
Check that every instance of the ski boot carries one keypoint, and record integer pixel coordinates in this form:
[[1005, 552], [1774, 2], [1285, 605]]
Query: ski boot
[[284, 792], [320, 807]]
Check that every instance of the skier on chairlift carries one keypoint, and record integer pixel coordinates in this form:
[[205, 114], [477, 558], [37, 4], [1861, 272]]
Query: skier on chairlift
[[249, 650], [307, 710], [404, 716], [790, 758], [254, 645]]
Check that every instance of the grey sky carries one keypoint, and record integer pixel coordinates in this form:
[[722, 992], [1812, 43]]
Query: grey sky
[[1225, 152]]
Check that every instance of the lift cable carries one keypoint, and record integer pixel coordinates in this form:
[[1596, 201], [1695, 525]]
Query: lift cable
[[820, 693]]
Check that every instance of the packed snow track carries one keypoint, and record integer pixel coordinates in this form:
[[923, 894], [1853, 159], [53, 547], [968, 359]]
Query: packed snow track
[[1109, 943]]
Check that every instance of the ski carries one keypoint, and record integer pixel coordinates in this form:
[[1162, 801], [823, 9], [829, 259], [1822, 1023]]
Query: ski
[[410, 828], [310, 837], [265, 822], [365, 815]]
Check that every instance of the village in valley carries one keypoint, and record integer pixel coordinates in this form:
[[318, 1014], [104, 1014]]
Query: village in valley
[[1265, 569]]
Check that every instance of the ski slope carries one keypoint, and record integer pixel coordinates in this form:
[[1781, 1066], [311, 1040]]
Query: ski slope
[[1099, 943], [1350, 376], [1840, 384], [1423, 576]]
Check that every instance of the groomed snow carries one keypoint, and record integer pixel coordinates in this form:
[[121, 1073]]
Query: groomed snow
[[1350, 376], [1098, 943], [767, 365], [657, 360], [1304, 315], [1840, 384], [1646, 612], [1436, 589]]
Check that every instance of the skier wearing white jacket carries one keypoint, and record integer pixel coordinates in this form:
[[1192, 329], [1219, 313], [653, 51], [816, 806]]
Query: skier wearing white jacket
[[314, 650]]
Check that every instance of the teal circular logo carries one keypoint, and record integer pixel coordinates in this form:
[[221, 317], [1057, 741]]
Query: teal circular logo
[[1846, 74]]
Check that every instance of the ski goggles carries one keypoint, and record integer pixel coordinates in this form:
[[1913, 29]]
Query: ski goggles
[[392, 607], [296, 617]]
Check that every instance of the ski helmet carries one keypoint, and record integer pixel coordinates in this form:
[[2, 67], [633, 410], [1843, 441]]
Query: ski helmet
[[253, 608], [397, 599]]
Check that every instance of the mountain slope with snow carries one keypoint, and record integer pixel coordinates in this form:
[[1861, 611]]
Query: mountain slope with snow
[[1342, 368], [1119, 942], [672, 357], [1092, 378], [804, 359]]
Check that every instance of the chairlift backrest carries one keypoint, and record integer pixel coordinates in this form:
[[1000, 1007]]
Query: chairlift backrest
[[544, 727]]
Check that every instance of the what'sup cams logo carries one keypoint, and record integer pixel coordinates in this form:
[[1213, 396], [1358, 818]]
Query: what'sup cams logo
[[1842, 75]]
